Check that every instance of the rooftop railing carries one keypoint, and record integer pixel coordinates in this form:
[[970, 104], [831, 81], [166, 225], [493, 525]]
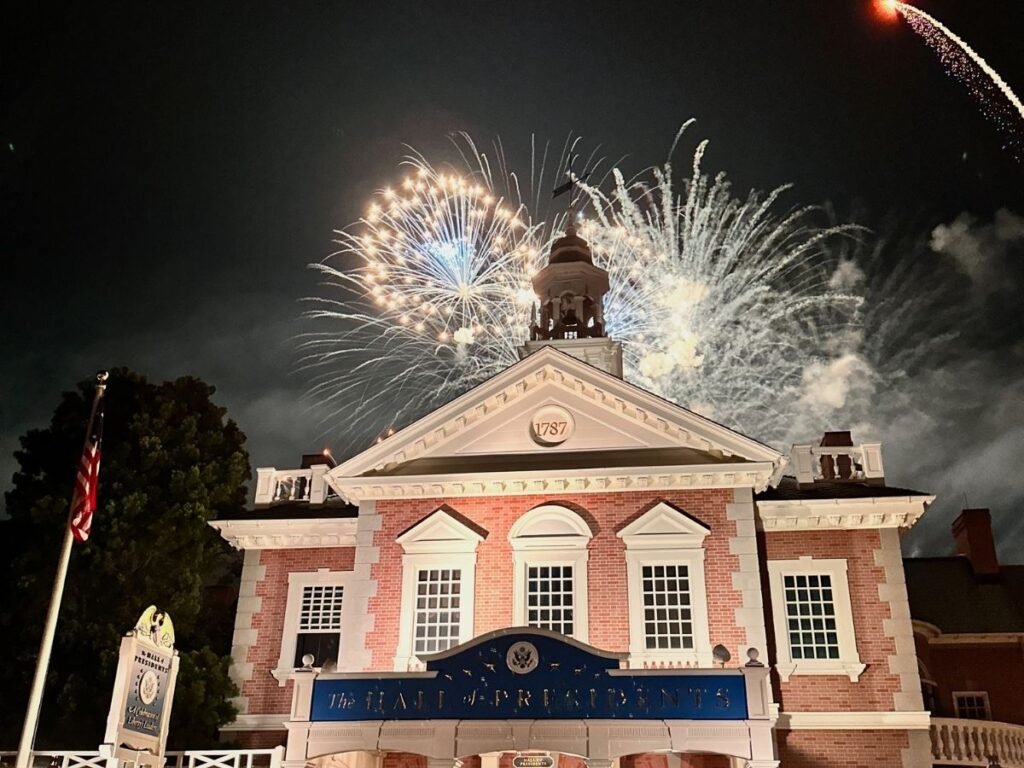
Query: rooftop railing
[[296, 485], [838, 463]]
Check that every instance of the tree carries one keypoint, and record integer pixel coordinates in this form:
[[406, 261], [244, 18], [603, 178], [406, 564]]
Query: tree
[[171, 462]]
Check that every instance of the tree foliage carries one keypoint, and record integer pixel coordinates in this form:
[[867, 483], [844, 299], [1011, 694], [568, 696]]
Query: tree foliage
[[171, 462]]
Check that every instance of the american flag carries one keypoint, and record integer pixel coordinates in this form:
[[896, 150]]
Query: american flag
[[83, 503]]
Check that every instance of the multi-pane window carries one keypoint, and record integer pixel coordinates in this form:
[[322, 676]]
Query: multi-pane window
[[668, 620], [319, 623], [972, 705], [438, 609], [549, 597], [811, 616]]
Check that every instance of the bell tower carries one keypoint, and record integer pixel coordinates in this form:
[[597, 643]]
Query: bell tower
[[571, 291]]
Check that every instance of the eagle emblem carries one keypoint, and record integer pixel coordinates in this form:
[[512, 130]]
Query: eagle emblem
[[522, 658]]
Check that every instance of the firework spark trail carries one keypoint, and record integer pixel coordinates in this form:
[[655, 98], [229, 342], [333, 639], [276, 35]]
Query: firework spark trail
[[721, 303], [964, 63], [726, 302]]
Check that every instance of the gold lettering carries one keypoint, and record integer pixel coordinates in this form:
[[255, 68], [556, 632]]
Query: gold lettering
[[698, 697], [671, 697], [400, 701], [440, 700], [369, 700], [470, 698], [593, 698], [523, 698], [547, 699], [499, 696], [380, 701], [641, 698], [572, 698], [419, 700]]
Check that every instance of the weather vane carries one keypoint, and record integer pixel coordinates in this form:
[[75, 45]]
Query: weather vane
[[571, 185]]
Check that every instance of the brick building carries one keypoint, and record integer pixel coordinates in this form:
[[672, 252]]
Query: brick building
[[968, 618], [617, 579]]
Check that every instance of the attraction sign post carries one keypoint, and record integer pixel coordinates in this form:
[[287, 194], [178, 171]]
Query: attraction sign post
[[140, 707]]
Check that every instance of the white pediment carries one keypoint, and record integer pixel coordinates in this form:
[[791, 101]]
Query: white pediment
[[663, 526], [609, 414], [439, 531]]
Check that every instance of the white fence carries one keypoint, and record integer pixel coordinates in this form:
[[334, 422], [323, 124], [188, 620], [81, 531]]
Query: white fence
[[974, 742], [193, 758]]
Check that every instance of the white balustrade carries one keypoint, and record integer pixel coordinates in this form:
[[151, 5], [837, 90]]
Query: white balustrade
[[309, 485], [865, 462], [975, 742], [193, 758]]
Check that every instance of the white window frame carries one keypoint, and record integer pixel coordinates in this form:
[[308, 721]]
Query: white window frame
[[849, 662], [438, 542], [552, 535], [664, 535], [983, 695], [297, 582]]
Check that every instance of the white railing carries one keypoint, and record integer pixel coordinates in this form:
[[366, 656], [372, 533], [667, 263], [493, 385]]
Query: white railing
[[855, 462], [276, 485], [193, 758], [976, 742]]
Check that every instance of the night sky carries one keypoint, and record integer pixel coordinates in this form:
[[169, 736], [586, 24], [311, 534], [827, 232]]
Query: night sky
[[167, 171]]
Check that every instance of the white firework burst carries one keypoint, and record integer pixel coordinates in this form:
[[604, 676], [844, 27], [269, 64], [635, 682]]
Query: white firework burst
[[721, 303]]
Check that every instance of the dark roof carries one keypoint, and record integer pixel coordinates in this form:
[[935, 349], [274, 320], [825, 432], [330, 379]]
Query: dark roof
[[296, 510], [789, 490], [525, 462], [944, 591]]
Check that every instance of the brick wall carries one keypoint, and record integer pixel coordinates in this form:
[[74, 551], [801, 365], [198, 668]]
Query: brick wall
[[813, 693], [842, 749], [265, 694], [403, 760], [256, 739], [605, 514]]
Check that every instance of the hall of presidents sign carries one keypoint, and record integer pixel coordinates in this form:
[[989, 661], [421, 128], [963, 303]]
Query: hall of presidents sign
[[530, 675]]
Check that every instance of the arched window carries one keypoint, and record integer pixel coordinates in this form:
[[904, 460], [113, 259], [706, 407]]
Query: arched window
[[549, 553]]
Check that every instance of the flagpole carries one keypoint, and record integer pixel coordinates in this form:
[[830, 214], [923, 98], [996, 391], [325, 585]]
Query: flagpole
[[28, 731]]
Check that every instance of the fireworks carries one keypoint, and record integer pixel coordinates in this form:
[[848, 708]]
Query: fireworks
[[430, 291], [721, 303], [999, 102]]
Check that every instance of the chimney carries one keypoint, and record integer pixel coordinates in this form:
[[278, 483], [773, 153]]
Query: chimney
[[973, 534]]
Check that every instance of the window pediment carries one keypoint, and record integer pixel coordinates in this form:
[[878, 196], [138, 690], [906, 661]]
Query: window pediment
[[550, 526], [664, 526], [443, 530]]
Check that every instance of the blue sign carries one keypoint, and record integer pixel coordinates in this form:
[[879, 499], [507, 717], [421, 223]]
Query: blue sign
[[530, 674]]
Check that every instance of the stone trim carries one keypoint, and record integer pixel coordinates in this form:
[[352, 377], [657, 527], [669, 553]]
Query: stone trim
[[898, 627], [854, 721], [257, 723], [747, 580], [303, 533], [842, 514], [355, 654], [697, 477], [245, 635]]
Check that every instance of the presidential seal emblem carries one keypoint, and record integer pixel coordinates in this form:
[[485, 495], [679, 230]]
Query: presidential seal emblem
[[149, 685], [522, 658]]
